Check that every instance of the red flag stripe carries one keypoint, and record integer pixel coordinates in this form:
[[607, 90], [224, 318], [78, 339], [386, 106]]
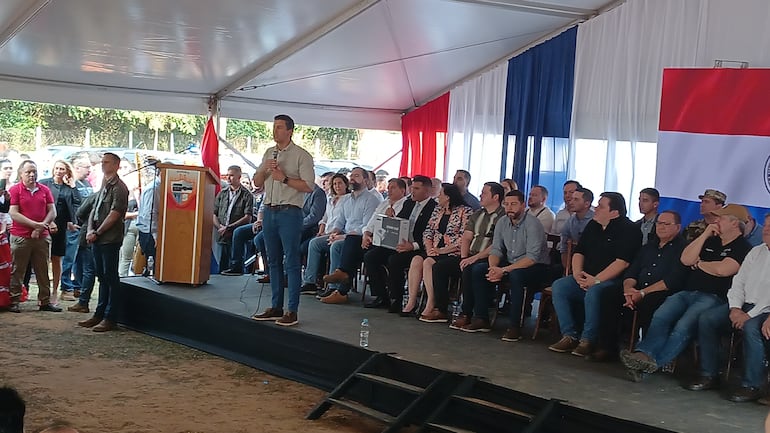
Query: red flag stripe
[[706, 101], [210, 149]]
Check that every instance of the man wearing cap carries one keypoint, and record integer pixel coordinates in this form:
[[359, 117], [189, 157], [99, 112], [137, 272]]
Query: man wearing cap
[[714, 257], [709, 201], [747, 309]]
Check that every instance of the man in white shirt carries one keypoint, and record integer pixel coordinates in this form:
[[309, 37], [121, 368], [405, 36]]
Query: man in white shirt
[[748, 310], [538, 195]]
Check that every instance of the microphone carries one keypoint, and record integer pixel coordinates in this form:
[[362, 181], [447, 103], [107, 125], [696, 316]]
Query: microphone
[[275, 153], [149, 164]]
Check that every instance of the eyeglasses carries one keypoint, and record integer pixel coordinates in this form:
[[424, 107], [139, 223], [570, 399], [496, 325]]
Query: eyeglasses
[[663, 223]]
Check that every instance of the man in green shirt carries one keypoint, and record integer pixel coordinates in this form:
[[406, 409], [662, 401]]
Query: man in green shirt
[[105, 234]]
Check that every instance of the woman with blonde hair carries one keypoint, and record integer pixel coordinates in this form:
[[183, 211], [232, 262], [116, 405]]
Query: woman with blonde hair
[[66, 200]]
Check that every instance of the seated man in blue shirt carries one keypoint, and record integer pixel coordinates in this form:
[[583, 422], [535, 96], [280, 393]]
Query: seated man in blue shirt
[[519, 253], [582, 214]]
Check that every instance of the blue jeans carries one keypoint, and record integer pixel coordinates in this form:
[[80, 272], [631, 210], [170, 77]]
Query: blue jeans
[[575, 306], [107, 257], [335, 258], [318, 248], [84, 273], [243, 240], [68, 262], [675, 324], [715, 323], [259, 243], [282, 238]]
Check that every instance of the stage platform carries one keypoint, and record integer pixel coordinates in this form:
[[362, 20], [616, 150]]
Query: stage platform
[[526, 366]]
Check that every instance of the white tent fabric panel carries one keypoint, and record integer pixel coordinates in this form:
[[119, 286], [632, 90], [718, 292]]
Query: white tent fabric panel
[[356, 63], [619, 61], [475, 136]]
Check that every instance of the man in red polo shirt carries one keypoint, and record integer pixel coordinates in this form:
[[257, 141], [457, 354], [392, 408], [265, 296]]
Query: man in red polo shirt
[[33, 212]]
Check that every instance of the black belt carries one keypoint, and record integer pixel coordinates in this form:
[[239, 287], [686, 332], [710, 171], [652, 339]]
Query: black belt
[[278, 207]]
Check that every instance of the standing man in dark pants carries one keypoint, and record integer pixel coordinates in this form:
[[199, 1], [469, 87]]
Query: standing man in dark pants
[[287, 174], [81, 166], [105, 234]]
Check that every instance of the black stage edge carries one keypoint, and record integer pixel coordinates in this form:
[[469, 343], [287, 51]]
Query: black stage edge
[[325, 363], [294, 355]]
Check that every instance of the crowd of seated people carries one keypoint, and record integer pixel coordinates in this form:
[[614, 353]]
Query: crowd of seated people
[[653, 280]]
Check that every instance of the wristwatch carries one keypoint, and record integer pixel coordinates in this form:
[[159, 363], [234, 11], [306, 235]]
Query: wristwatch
[[597, 281], [285, 180]]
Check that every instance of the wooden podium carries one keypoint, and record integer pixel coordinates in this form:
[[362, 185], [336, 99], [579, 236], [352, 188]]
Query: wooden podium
[[185, 224]]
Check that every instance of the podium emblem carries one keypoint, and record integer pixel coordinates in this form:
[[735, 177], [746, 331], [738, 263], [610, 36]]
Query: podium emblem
[[182, 187]]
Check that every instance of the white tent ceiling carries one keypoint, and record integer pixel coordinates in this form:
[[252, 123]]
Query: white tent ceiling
[[351, 63]]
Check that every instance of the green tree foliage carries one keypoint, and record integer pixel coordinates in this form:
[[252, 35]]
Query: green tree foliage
[[62, 124], [333, 141]]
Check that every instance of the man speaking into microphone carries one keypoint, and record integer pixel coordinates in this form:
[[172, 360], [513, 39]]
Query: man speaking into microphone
[[287, 175]]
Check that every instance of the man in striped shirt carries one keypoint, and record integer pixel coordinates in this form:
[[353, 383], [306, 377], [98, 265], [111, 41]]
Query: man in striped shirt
[[474, 249]]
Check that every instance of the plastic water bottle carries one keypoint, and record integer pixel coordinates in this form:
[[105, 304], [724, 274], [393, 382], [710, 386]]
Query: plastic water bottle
[[151, 266], [456, 310], [364, 336]]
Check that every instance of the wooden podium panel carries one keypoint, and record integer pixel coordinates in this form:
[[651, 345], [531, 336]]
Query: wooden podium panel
[[185, 224]]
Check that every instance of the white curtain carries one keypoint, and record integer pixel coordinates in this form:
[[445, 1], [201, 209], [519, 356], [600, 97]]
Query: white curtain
[[475, 141], [620, 56]]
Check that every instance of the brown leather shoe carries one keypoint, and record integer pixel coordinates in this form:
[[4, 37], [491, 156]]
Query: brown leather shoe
[[512, 334], [477, 325], [104, 326], [338, 276], [269, 314], [264, 280], [565, 345], [434, 316], [89, 323], [78, 308], [76, 293], [288, 319], [583, 349], [335, 298], [461, 321]]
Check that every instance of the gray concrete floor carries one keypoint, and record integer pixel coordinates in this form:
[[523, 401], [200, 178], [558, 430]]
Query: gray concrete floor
[[525, 366]]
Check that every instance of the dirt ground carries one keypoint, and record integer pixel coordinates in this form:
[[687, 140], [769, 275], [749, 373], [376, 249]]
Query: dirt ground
[[127, 382]]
